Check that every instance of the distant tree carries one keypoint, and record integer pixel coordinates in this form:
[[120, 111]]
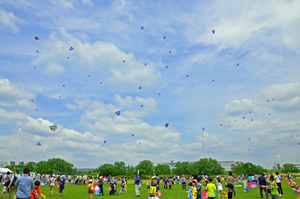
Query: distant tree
[[107, 169], [246, 168], [287, 168], [161, 169], [180, 168], [120, 168], [145, 167], [31, 165]]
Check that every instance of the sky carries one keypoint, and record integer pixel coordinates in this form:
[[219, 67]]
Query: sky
[[212, 81]]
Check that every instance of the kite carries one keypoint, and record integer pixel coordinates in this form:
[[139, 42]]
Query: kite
[[68, 57], [118, 113], [140, 87], [213, 80], [123, 61], [53, 128], [36, 110], [248, 149], [167, 125], [278, 140], [237, 64], [167, 67], [203, 129], [100, 82], [272, 98], [269, 114], [158, 93], [164, 37], [59, 96], [37, 51], [249, 111], [71, 48], [251, 120], [36, 38], [299, 143], [145, 64], [213, 31], [142, 105], [228, 126], [187, 75], [243, 117], [104, 141], [132, 135], [170, 51], [34, 67], [139, 143], [221, 124], [142, 27], [38, 144], [32, 100], [89, 76], [249, 138], [64, 85], [267, 100]]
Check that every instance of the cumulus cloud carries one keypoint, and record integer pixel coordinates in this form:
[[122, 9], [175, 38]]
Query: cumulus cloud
[[9, 20]]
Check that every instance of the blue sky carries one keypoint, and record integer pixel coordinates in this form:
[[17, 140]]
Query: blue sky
[[261, 36]]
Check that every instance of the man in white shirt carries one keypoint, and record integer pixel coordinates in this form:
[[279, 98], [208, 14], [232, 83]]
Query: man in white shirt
[[278, 182]]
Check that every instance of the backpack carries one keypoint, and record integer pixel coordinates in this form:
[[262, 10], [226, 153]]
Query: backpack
[[199, 190], [14, 181]]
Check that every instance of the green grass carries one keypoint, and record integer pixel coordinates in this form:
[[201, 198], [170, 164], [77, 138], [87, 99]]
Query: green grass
[[80, 191]]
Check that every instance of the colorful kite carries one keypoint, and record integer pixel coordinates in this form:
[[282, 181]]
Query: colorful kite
[[100, 82], [249, 111], [142, 105], [64, 85], [237, 64], [164, 37], [71, 48], [249, 138], [167, 125], [32, 100], [123, 61], [132, 135], [213, 31], [243, 117], [118, 113], [170, 51], [104, 141], [272, 98], [36, 38], [53, 128], [36, 110], [267, 100], [145, 64], [213, 80], [251, 120], [38, 144], [140, 87], [68, 57], [203, 129], [139, 143], [59, 96], [167, 67], [89, 76], [37, 51], [142, 27], [187, 75], [158, 93]]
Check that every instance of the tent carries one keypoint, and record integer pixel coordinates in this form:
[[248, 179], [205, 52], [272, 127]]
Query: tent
[[4, 170]]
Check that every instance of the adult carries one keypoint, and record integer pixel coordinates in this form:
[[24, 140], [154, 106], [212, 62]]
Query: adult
[[278, 182], [183, 182], [178, 178], [52, 181], [262, 182], [12, 185], [137, 184], [38, 177], [84, 179], [231, 180], [100, 184], [25, 185], [7, 180], [166, 180], [69, 178], [157, 179], [255, 178]]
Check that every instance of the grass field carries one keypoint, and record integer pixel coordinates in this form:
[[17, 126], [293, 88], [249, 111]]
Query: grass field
[[80, 191]]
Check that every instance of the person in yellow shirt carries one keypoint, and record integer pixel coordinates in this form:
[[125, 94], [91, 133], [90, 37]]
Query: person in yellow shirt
[[211, 188]]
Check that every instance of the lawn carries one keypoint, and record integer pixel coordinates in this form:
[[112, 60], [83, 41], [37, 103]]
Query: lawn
[[80, 191]]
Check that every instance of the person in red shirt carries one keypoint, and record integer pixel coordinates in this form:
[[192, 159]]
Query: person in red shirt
[[36, 191]]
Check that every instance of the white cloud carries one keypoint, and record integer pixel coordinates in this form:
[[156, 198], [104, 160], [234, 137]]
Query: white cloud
[[88, 2], [55, 69], [8, 117], [9, 20], [63, 3]]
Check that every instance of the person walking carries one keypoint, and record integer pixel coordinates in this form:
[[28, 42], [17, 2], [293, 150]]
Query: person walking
[[52, 182], [166, 180], [278, 182], [183, 182], [262, 185], [12, 185], [25, 185], [100, 184], [231, 181]]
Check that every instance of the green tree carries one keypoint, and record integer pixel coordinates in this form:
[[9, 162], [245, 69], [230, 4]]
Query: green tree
[[161, 169], [248, 167], [107, 169], [120, 168], [180, 168], [287, 168], [205, 166], [31, 165], [53, 165], [145, 167]]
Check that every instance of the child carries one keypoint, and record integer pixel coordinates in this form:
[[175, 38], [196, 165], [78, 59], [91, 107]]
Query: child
[[245, 184], [36, 191], [61, 188], [220, 188], [199, 187], [170, 183], [122, 187], [194, 191], [211, 189], [190, 196], [230, 192], [274, 188], [90, 188], [3, 192], [153, 188]]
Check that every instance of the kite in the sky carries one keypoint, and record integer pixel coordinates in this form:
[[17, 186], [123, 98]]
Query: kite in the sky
[[123, 61], [142, 27], [36, 110], [237, 64], [170, 51], [249, 111], [267, 100], [36, 38], [243, 117], [118, 113], [272, 98], [167, 125], [164, 37], [38, 144], [158, 93], [221, 124], [59, 96], [251, 120], [71, 48], [53, 128], [104, 141], [32, 100], [167, 67], [68, 57], [203, 129], [89, 76], [37, 51], [187, 75], [249, 138], [64, 85], [142, 105], [269, 114], [100, 82], [213, 31], [139, 143], [145, 64], [132, 135], [140, 87], [213, 80]]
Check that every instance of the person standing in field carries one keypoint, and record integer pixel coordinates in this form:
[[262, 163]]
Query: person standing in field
[[274, 188], [166, 180], [12, 187], [183, 182], [25, 185], [90, 188], [137, 184], [231, 180], [52, 182], [262, 185], [100, 184], [278, 182]]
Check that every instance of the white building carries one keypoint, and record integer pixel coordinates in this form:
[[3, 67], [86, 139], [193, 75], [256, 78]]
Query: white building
[[170, 164], [297, 164], [226, 164], [3, 164]]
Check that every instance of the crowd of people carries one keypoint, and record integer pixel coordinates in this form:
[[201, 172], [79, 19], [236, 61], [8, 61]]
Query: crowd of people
[[27, 186]]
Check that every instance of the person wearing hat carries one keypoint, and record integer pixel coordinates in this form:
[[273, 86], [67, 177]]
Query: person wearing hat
[[122, 187], [52, 182], [153, 188], [229, 194], [91, 188], [137, 184]]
